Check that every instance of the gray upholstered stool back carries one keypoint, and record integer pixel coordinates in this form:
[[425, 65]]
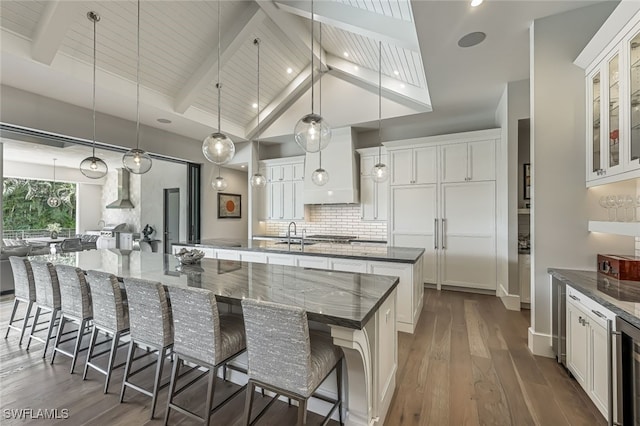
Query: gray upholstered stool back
[[196, 324], [74, 292], [25, 286], [109, 311], [149, 312], [47, 286], [278, 345]]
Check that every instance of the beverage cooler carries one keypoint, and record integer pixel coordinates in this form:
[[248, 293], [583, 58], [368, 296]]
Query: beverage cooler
[[628, 367]]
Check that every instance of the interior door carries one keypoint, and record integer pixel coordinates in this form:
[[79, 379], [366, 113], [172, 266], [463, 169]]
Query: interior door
[[468, 235], [171, 218]]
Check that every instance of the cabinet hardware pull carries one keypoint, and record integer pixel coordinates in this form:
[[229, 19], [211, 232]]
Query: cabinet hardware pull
[[435, 234], [442, 236], [574, 297], [599, 314]]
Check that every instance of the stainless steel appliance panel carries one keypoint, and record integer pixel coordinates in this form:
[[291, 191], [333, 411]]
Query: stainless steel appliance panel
[[559, 320], [628, 373]]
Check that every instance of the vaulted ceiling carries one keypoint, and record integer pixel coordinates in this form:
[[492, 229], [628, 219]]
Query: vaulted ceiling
[[47, 49]]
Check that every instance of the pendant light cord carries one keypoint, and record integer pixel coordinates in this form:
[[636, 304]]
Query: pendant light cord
[[320, 87], [138, 83], [257, 43], [53, 188], [379, 101], [218, 85], [95, 20], [311, 56]]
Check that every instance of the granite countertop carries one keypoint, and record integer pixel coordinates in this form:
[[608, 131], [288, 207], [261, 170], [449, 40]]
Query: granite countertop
[[310, 238], [338, 298], [622, 298], [380, 252]]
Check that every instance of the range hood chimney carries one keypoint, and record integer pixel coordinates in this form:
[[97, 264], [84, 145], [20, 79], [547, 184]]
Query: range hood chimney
[[339, 160], [123, 201]]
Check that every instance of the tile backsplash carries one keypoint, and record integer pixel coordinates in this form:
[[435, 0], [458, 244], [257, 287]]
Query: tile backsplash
[[332, 219]]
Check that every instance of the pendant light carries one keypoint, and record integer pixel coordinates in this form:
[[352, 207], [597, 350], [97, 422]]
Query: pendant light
[[320, 176], [53, 200], [312, 132], [219, 183], [258, 180], [218, 147], [380, 171], [94, 167], [136, 160]]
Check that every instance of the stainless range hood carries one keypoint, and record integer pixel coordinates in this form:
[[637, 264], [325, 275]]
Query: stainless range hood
[[339, 160], [123, 201]]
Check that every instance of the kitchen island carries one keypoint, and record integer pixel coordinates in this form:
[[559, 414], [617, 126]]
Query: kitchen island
[[402, 262], [359, 310]]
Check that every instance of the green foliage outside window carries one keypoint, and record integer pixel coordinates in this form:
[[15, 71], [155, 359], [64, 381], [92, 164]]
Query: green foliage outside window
[[24, 204]]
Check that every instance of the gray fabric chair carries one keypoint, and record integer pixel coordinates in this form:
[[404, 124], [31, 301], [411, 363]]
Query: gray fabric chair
[[25, 291], [286, 358], [110, 317], [47, 298], [203, 337], [151, 325], [76, 307]]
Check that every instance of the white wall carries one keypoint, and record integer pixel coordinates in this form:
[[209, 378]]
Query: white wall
[[502, 232], [163, 175], [212, 227], [561, 204], [88, 211]]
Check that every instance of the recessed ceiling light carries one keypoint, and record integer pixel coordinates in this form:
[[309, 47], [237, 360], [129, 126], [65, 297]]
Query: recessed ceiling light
[[356, 67], [255, 105], [472, 39], [396, 72], [346, 54], [243, 166], [475, 3], [289, 70], [164, 120]]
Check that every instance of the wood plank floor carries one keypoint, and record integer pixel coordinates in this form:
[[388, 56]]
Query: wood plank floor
[[467, 364]]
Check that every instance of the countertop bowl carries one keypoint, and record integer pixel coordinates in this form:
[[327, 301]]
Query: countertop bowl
[[189, 257]]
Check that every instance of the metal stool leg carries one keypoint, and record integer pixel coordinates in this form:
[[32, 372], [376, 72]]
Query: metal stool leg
[[156, 382], [175, 371], [33, 326], [56, 342], [302, 412], [52, 321], [83, 325], [24, 323], [251, 387], [112, 358], [210, 391], [13, 314], [92, 342], [127, 368], [339, 380]]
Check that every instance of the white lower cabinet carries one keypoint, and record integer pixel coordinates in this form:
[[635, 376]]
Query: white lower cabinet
[[281, 259], [252, 256], [312, 262], [348, 265], [589, 347]]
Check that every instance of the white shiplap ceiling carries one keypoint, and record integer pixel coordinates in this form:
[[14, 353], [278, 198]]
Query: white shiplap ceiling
[[178, 53], [47, 50]]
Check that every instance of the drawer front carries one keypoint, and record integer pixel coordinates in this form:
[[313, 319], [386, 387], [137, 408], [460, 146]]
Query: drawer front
[[598, 312]]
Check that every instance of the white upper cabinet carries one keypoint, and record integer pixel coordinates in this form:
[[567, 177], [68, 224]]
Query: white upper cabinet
[[414, 166], [468, 161], [282, 199], [373, 195], [613, 99]]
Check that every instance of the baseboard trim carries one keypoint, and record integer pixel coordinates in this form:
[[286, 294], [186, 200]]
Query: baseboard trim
[[510, 301], [540, 344]]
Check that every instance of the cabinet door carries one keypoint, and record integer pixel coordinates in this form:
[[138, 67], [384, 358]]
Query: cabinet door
[[468, 235], [381, 200], [252, 256], [633, 149], [594, 153], [275, 174], [367, 198], [401, 167], [287, 172], [297, 171], [288, 200], [228, 254], [425, 164], [577, 344], [405, 286], [454, 162], [347, 265], [312, 262], [612, 129], [366, 164], [275, 202], [599, 373], [298, 200], [281, 259], [482, 160]]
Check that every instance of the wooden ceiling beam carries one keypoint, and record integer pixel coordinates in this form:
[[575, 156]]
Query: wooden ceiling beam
[[51, 29], [231, 40]]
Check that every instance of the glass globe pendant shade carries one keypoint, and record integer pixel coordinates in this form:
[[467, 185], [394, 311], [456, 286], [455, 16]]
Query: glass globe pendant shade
[[137, 161], [320, 177], [218, 148], [93, 168], [312, 133], [258, 181], [380, 172], [53, 201], [219, 184]]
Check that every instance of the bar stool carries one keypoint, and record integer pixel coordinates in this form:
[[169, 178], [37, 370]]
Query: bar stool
[[76, 307], [110, 316], [288, 359], [151, 325], [203, 337], [47, 298], [25, 291]]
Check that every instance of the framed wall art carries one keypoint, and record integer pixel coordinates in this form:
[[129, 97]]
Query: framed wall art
[[229, 206]]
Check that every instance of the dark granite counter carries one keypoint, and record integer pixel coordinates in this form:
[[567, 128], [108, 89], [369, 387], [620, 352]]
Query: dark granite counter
[[623, 298], [339, 298], [377, 252]]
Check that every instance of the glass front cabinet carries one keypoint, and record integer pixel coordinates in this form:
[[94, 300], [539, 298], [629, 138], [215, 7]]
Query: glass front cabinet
[[613, 112]]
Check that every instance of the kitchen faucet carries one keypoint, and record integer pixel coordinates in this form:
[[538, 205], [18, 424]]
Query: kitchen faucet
[[295, 232]]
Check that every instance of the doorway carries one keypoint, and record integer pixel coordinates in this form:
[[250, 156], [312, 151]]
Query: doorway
[[171, 229]]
